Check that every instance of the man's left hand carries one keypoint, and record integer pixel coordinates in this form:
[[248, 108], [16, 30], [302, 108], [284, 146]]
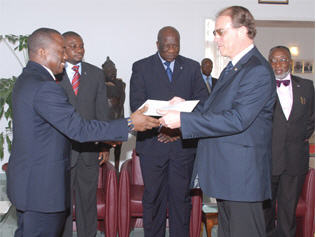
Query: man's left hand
[[104, 156]]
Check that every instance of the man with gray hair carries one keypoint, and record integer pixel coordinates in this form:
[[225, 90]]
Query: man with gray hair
[[234, 126]]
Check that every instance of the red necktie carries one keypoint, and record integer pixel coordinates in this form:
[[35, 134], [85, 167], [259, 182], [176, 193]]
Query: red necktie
[[75, 80]]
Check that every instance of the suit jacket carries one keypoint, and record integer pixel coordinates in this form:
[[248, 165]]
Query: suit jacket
[[235, 125], [90, 103], [290, 149], [38, 169], [150, 81]]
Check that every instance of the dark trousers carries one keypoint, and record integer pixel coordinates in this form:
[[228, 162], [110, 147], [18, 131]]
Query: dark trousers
[[39, 224], [84, 182], [167, 185], [240, 219], [286, 190]]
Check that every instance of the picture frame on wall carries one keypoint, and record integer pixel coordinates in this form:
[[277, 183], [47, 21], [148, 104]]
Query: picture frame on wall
[[303, 66], [274, 1]]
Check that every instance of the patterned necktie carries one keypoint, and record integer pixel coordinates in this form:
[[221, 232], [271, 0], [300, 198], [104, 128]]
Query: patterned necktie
[[75, 80], [168, 70], [284, 82], [209, 81]]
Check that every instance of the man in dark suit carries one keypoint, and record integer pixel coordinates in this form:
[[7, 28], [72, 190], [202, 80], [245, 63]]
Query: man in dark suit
[[90, 100], [38, 169], [206, 68], [234, 127], [293, 124], [166, 160]]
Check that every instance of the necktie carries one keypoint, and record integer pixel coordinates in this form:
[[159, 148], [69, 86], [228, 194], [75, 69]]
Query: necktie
[[75, 80], [284, 82], [228, 67], [209, 83], [168, 70]]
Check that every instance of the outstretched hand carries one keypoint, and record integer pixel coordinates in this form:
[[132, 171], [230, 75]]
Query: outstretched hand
[[142, 122], [170, 118]]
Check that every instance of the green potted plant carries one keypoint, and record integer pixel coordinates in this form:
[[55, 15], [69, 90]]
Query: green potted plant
[[14, 43]]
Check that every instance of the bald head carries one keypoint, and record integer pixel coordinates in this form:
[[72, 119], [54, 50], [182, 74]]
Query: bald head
[[168, 30], [168, 43]]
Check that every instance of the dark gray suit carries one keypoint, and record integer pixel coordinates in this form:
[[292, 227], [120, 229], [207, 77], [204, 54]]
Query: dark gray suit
[[166, 167], [38, 170], [234, 150], [290, 156], [90, 103]]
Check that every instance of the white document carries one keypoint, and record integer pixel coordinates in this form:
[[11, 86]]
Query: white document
[[154, 105]]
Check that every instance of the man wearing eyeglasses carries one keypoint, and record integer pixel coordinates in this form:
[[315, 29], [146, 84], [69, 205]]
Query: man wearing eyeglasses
[[293, 124], [234, 127]]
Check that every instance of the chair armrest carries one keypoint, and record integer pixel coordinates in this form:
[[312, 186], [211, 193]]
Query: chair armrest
[[196, 212], [124, 198], [308, 198]]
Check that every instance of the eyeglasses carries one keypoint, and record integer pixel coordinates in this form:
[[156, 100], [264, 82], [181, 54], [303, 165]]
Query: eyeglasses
[[280, 60], [220, 32]]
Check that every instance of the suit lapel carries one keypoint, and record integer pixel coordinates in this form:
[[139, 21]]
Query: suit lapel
[[65, 83], [298, 98], [228, 77], [160, 69], [177, 70], [278, 110]]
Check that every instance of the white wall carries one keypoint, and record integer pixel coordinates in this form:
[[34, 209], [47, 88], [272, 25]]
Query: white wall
[[126, 30], [302, 37]]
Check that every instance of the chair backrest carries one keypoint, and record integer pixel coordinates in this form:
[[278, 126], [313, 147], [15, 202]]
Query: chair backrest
[[137, 177], [101, 178]]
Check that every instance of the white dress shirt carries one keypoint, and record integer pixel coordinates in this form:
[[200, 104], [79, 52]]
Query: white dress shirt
[[285, 94]]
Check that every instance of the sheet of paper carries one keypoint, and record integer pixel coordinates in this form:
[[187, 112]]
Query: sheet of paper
[[154, 105], [4, 206]]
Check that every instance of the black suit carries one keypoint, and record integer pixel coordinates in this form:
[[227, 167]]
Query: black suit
[[90, 103], [38, 169], [290, 156], [166, 167]]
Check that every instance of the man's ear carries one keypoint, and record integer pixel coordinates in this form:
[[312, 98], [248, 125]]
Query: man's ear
[[242, 32]]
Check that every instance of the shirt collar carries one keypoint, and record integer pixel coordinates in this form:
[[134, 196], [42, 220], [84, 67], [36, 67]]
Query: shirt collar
[[68, 66], [241, 54], [163, 63], [50, 72]]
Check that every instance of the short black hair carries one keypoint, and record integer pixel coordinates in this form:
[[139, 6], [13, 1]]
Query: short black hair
[[40, 38], [167, 28], [70, 33], [280, 47]]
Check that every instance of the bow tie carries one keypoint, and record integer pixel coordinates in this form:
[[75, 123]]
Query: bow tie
[[285, 82]]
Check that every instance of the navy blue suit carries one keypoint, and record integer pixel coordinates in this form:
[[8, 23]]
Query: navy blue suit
[[43, 119], [234, 126], [166, 168]]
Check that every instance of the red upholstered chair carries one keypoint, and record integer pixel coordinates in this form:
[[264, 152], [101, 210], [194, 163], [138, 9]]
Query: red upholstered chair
[[106, 200], [306, 207], [131, 189]]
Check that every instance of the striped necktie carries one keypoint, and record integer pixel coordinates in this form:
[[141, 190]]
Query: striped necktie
[[168, 70], [75, 80]]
